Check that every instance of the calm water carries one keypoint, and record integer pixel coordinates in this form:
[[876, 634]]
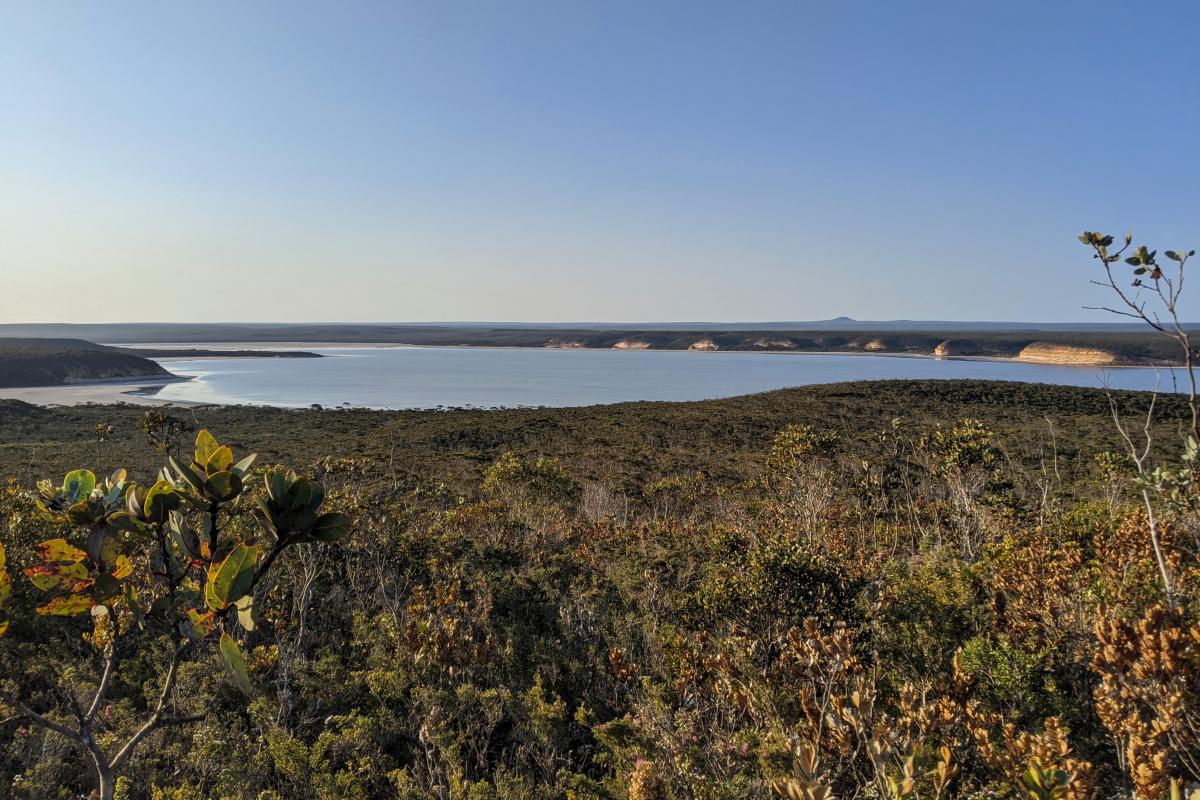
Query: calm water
[[427, 377]]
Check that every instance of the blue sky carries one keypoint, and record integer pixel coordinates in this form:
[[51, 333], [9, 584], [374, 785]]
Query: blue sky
[[549, 161]]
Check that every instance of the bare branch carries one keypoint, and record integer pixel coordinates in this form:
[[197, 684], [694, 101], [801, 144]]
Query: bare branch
[[156, 718], [42, 720], [110, 662]]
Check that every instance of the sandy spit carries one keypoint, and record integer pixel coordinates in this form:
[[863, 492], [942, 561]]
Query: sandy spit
[[138, 393]]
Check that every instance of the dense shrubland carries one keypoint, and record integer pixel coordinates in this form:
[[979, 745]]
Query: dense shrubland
[[879, 599], [919, 615]]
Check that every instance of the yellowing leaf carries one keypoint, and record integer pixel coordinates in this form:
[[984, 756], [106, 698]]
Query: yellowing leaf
[[60, 550], [206, 446], [221, 459], [68, 605], [202, 624], [65, 575], [122, 567]]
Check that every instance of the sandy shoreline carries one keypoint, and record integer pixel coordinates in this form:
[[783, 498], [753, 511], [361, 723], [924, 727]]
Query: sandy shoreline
[[250, 346], [139, 393]]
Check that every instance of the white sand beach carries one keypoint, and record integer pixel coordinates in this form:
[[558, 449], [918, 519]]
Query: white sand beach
[[139, 393]]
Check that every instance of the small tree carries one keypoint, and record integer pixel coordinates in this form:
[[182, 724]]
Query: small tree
[[164, 432], [158, 566], [1153, 295]]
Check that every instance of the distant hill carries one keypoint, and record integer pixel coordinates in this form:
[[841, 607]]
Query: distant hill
[[54, 362], [431, 332]]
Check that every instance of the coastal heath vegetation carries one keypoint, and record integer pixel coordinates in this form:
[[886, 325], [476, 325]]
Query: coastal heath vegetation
[[903, 607]]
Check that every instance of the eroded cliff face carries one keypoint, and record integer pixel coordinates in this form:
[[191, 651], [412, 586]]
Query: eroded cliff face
[[567, 344], [704, 344], [775, 344], [875, 345], [1049, 353], [950, 347], [631, 344]]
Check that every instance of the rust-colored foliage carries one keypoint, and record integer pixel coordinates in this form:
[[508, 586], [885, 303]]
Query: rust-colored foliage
[[1149, 696]]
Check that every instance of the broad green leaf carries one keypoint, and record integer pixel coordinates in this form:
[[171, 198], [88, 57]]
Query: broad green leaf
[[206, 446], [102, 544], [185, 538], [331, 527], [298, 521], [78, 485], [277, 486], [187, 474], [230, 580], [160, 501], [84, 512], [268, 518], [116, 486], [223, 487], [106, 587], [243, 466], [234, 663], [300, 494], [124, 521]]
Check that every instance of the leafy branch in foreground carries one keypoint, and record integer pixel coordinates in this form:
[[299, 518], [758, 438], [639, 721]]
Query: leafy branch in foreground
[[160, 565], [1164, 284]]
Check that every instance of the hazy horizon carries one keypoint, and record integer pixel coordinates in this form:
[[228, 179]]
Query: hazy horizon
[[537, 161], [1114, 323]]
